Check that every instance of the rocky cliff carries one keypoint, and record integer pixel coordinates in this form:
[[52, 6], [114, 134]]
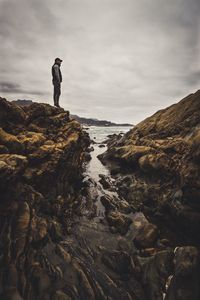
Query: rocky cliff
[[41, 156], [161, 155]]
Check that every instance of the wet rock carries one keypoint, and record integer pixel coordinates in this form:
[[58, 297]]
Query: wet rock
[[34, 213], [60, 251], [21, 228], [146, 236], [104, 180], [59, 295], [11, 142], [119, 261], [87, 156], [155, 162], [156, 271], [86, 290], [146, 233], [90, 149], [39, 228], [102, 146], [10, 114], [11, 166], [124, 207], [119, 221], [108, 202], [185, 281]]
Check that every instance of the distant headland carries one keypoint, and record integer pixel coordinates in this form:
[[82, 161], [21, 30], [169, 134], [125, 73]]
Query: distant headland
[[83, 121]]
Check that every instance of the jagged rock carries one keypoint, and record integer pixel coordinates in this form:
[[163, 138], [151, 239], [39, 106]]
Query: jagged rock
[[185, 281], [104, 180], [11, 166], [33, 210], [21, 228], [108, 202], [31, 140], [11, 142], [119, 261], [156, 271], [39, 228], [146, 233], [119, 221], [146, 236], [59, 295], [162, 152], [63, 254], [10, 113], [155, 163]]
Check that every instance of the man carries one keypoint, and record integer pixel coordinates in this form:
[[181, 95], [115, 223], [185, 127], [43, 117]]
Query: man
[[57, 79]]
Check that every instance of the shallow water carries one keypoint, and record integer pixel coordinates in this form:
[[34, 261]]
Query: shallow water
[[100, 134], [95, 167]]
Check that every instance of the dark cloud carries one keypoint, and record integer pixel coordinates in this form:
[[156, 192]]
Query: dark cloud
[[13, 88]]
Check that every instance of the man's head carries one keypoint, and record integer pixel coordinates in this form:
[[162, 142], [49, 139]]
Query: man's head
[[58, 61]]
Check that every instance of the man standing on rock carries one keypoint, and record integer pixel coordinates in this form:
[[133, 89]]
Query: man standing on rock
[[57, 79]]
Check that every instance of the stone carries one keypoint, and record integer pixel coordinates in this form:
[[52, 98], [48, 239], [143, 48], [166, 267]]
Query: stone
[[11, 142], [155, 162], [119, 261], [119, 221], [146, 236], [185, 281], [146, 233], [59, 295]]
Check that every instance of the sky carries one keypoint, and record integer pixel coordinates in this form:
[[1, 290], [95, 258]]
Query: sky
[[122, 59]]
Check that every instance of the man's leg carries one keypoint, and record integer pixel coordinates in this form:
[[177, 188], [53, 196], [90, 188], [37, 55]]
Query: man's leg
[[54, 95], [58, 94]]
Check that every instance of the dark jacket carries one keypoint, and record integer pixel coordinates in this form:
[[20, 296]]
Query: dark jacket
[[56, 74]]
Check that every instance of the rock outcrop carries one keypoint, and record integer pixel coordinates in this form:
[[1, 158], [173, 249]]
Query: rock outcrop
[[157, 166], [42, 152]]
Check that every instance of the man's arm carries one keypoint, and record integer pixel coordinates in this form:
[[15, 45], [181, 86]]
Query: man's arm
[[57, 74]]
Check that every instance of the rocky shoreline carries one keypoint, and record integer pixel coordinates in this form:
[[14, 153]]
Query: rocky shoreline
[[131, 235]]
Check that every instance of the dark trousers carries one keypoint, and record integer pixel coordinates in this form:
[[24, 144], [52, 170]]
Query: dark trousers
[[56, 93]]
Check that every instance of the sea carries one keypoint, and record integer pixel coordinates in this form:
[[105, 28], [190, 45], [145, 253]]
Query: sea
[[99, 135]]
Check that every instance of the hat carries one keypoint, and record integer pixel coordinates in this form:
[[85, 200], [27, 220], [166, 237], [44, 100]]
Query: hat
[[58, 59]]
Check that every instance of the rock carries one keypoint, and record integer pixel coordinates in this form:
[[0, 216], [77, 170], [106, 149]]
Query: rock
[[21, 228], [41, 160], [104, 180], [162, 153], [59, 295], [39, 228], [119, 261], [90, 149], [185, 281], [63, 254], [11, 167], [156, 271], [155, 163], [11, 142], [146, 236], [146, 233], [87, 156], [119, 221], [10, 113], [124, 207], [108, 202], [102, 146]]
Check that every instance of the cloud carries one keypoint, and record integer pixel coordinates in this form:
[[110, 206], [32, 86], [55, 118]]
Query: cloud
[[13, 88], [122, 59]]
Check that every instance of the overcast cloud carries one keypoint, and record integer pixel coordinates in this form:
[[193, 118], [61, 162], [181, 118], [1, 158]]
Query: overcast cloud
[[122, 59]]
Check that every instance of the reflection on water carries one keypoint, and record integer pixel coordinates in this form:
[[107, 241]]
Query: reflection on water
[[100, 134], [95, 167]]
